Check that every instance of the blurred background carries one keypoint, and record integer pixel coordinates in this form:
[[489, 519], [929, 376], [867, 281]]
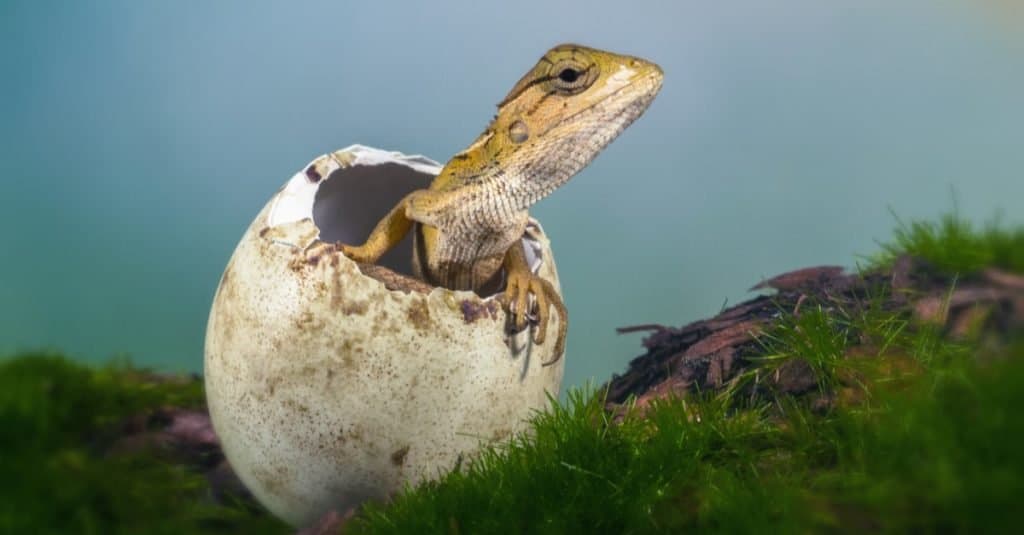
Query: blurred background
[[138, 140]]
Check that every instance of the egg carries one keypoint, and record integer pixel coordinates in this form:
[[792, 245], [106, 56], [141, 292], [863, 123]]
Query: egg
[[331, 383]]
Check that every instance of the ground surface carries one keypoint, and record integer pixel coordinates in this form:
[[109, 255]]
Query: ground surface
[[885, 400]]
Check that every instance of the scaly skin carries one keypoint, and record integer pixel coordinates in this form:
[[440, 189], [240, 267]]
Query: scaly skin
[[468, 224]]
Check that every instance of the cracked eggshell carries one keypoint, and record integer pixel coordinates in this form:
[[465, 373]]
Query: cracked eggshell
[[328, 387]]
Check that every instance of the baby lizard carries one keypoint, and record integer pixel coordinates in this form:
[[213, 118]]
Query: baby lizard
[[468, 224]]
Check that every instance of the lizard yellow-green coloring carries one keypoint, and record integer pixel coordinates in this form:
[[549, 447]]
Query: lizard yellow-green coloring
[[468, 224]]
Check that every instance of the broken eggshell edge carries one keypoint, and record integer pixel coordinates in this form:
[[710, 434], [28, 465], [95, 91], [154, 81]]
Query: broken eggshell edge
[[328, 389]]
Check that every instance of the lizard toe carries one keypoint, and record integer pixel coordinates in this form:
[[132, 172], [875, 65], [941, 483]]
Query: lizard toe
[[552, 299], [542, 310], [522, 304]]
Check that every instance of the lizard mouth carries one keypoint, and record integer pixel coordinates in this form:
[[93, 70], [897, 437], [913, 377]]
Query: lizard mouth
[[608, 117], [650, 84], [575, 141]]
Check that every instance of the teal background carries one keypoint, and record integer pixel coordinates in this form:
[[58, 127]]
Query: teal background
[[138, 139]]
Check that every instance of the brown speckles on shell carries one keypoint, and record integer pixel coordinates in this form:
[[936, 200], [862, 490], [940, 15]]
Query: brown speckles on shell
[[342, 303], [347, 353], [296, 406], [305, 321], [355, 307], [272, 384], [275, 480], [474, 309], [418, 314], [398, 456]]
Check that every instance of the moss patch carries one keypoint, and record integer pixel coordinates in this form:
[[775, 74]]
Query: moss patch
[[58, 423], [955, 246]]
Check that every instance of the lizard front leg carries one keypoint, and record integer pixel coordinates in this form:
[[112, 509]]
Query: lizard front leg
[[388, 232], [521, 282]]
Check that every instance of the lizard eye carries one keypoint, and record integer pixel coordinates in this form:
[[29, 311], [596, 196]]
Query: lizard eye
[[570, 77]]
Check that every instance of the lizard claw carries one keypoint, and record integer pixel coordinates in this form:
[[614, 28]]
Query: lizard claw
[[516, 298], [318, 249]]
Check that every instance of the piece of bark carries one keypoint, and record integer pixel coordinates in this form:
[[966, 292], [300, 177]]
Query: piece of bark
[[1004, 278], [692, 357], [799, 279], [728, 337]]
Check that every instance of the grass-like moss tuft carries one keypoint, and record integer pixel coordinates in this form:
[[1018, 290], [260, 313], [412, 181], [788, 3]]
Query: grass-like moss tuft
[[956, 246]]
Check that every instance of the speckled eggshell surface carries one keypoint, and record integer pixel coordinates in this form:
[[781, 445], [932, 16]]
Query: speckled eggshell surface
[[326, 388]]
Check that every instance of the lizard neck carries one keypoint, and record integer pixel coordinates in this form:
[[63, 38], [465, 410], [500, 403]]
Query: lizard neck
[[498, 190]]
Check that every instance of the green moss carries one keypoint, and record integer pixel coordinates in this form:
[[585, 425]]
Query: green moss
[[955, 246], [581, 473], [943, 456], [57, 418], [816, 337]]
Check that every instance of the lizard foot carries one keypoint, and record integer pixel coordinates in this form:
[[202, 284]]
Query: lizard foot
[[359, 253], [516, 300]]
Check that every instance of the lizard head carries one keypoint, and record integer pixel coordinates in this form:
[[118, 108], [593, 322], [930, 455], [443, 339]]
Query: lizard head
[[570, 79], [558, 117]]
